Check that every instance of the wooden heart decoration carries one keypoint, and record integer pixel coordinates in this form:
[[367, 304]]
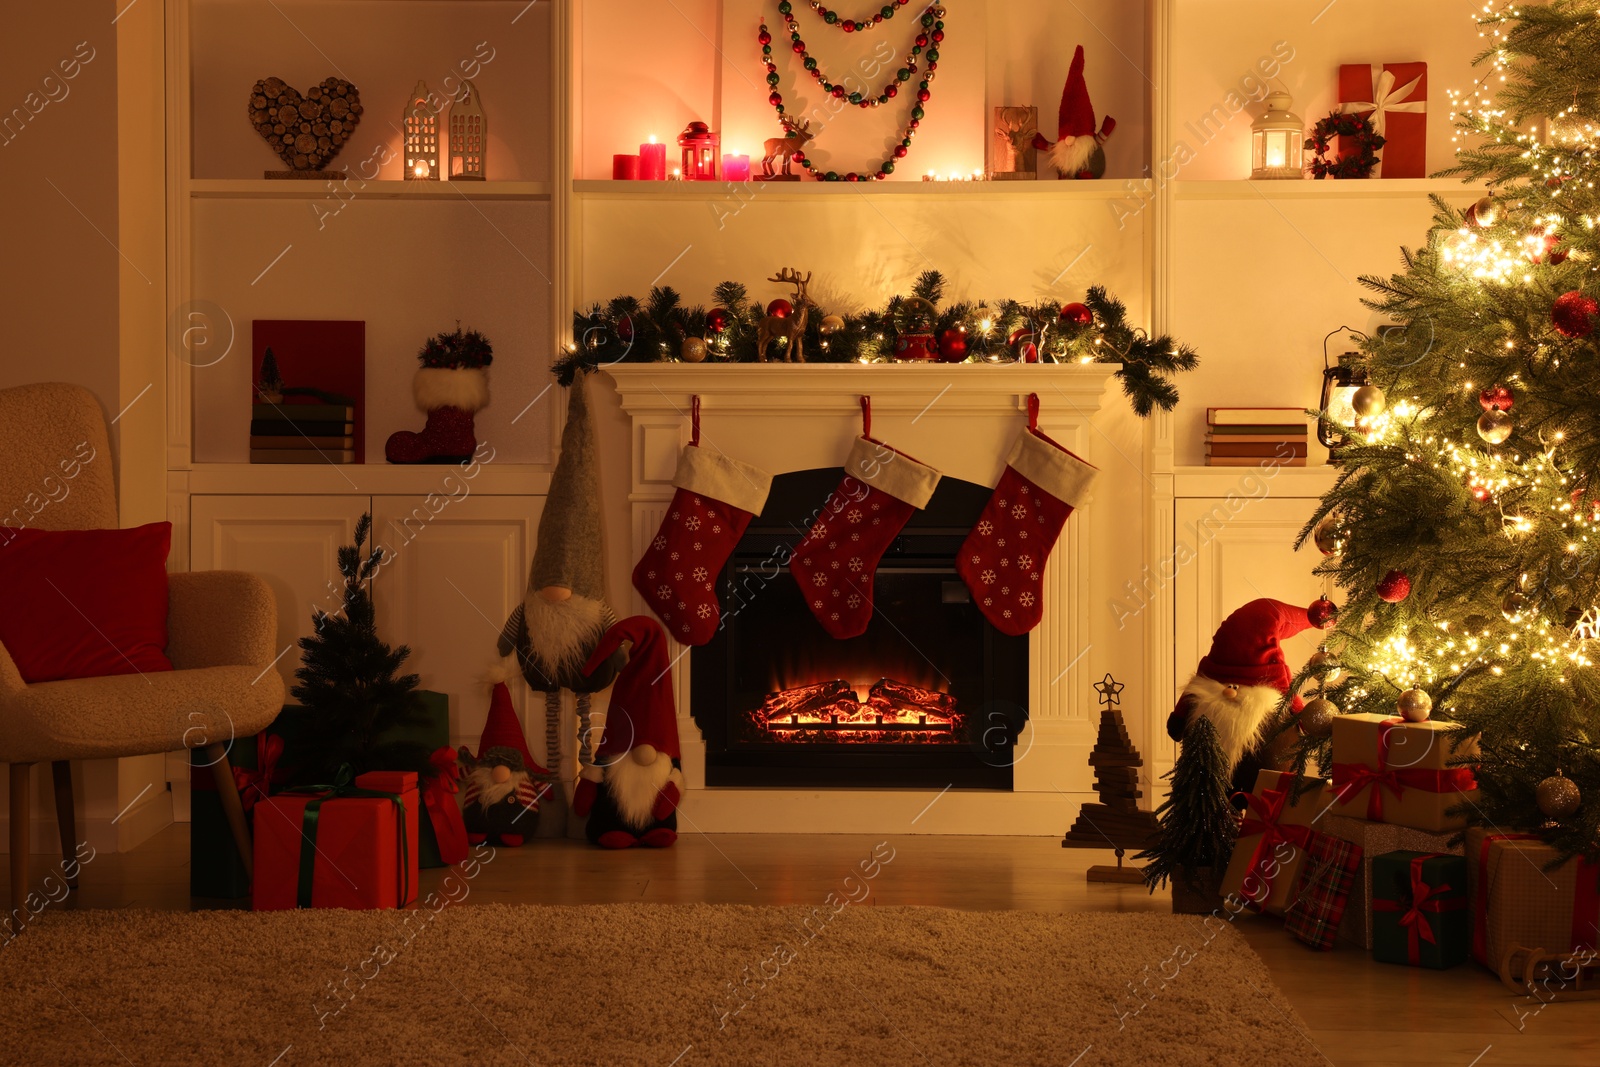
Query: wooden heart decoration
[[306, 131]]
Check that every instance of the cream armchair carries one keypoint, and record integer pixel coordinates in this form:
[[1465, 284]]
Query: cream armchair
[[222, 627]]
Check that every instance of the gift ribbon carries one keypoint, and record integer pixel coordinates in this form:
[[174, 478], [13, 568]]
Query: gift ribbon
[[1349, 779], [449, 828], [1424, 902], [342, 788], [254, 785], [1386, 98], [1268, 807]]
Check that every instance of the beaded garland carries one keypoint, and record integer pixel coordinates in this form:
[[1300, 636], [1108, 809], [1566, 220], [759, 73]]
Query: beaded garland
[[852, 25], [928, 40]]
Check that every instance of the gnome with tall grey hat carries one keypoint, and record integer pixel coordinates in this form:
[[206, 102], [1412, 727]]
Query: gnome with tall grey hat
[[563, 614]]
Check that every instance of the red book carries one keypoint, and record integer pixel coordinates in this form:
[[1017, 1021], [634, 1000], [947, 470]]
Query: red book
[[329, 355], [365, 852]]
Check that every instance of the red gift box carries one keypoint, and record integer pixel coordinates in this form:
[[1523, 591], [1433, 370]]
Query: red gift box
[[360, 840], [1394, 97]]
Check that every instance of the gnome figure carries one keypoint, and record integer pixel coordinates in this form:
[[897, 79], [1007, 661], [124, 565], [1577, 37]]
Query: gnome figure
[[631, 795], [1239, 685], [563, 613], [1076, 153], [500, 800]]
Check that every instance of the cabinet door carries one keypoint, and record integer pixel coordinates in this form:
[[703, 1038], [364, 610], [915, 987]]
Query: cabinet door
[[457, 568], [1228, 559], [291, 541]]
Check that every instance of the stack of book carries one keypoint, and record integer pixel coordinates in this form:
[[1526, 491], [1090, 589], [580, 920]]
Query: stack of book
[[1249, 437], [302, 433]]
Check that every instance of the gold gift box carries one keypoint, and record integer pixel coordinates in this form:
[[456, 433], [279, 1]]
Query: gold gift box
[[1387, 770], [1269, 885]]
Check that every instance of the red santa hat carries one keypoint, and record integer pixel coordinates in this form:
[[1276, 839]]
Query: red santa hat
[[503, 730], [1077, 113], [641, 710], [1246, 650]]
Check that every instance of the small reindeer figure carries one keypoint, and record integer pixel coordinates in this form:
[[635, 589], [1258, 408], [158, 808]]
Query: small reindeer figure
[[793, 328], [799, 134]]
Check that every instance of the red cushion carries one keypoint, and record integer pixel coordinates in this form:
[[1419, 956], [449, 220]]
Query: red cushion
[[85, 603]]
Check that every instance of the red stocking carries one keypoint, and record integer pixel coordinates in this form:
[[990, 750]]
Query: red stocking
[[1002, 560], [835, 563], [677, 575]]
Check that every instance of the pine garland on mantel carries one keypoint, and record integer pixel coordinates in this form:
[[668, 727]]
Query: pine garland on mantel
[[652, 330]]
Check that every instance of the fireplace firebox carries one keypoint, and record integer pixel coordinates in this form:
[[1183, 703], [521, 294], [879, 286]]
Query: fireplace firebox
[[929, 696]]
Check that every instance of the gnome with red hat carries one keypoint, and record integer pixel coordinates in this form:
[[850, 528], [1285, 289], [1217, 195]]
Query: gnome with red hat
[[1076, 153], [1240, 683], [631, 792], [503, 784]]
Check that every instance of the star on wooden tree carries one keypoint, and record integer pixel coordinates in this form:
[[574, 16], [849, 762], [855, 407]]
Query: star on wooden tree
[[1110, 691]]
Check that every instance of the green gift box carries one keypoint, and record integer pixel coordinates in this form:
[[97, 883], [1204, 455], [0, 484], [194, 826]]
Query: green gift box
[[434, 733], [1419, 909]]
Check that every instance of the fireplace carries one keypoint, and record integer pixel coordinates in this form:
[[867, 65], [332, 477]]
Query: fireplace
[[929, 696]]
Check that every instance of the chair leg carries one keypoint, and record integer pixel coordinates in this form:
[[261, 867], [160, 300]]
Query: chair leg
[[19, 844], [232, 808], [61, 770]]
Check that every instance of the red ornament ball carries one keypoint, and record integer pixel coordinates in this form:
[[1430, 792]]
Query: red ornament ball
[[625, 329], [1495, 398], [953, 345], [780, 309], [717, 319], [1394, 587], [1573, 314], [1323, 613], [1077, 313]]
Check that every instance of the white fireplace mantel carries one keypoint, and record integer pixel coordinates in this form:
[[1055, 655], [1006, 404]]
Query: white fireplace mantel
[[962, 420]]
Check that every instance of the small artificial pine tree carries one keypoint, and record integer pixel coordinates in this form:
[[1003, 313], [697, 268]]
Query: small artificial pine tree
[[1198, 822], [349, 683], [271, 386]]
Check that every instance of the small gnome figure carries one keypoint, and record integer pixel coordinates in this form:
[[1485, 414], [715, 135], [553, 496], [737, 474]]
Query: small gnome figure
[[563, 613], [503, 784], [1077, 153], [1239, 685], [631, 796]]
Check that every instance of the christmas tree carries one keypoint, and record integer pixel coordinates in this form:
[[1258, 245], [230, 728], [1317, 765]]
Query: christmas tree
[[1464, 527], [1198, 822], [349, 682]]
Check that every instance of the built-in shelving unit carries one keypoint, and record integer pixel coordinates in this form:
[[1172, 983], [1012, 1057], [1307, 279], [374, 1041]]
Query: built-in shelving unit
[[247, 189]]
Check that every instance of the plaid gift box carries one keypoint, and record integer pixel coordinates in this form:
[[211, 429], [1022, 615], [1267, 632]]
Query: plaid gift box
[[1323, 895]]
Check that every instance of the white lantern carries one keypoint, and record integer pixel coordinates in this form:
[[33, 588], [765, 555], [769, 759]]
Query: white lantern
[[421, 125], [469, 131], [1277, 141]]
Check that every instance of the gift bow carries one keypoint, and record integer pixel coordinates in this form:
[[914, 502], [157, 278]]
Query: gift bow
[[1424, 901], [1349, 779], [444, 814], [1268, 808], [254, 785], [1386, 98]]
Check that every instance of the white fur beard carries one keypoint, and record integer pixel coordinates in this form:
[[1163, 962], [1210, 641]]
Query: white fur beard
[[1240, 722], [562, 635], [466, 388], [484, 790], [1071, 159], [634, 787]]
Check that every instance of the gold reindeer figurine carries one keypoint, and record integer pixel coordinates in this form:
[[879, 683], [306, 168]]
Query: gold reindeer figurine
[[799, 134], [791, 329]]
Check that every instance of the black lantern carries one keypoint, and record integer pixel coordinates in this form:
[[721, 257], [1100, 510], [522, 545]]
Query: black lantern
[[1340, 380]]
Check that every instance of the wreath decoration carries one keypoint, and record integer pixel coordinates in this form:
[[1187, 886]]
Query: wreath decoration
[[1359, 163]]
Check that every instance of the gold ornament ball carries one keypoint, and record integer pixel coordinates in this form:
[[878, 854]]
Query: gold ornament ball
[[694, 350], [1368, 402], [1514, 604], [831, 325], [1316, 718], [1328, 537], [1494, 426], [1558, 796], [1415, 705], [1326, 664], [1484, 212]]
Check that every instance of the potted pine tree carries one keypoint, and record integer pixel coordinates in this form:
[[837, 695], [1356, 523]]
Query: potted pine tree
[[1198, 824]]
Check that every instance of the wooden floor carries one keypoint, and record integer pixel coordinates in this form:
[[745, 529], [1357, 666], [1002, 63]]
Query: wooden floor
[[1358, 1012]]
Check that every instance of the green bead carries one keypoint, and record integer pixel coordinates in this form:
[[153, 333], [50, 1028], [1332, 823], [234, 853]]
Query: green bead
[[916, 49], [778, 108], [810, 64], [766, 49], [938, 25], [906, 143], [772, 80], [917, 113], [831, 17], [888, 12], [927, 20], [923, 87], [933, 55], [903, 74], [831, 176], [888, 167], [785, 7], [855, 98]]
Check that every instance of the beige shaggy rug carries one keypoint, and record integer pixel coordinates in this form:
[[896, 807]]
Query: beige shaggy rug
[[667, 986]]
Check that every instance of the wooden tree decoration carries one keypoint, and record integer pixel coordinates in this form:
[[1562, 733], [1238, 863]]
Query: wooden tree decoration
[[469, 130], [420, 124], [1117, 822]]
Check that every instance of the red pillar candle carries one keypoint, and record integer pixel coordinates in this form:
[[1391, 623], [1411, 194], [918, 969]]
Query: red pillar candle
[[625, 168], [736, 168], [653, 162]]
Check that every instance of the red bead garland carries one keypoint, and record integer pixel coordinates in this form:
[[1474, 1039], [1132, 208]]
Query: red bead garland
[[852, 25], [931, 21]]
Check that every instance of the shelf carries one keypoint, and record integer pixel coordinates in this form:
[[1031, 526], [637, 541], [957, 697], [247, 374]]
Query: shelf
[[296, 189], [360, 479], [1363, 189], [1287, 482], [970, 192]]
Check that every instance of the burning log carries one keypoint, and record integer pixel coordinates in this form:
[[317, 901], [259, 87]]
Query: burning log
[[889, 695], [809, 701]]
